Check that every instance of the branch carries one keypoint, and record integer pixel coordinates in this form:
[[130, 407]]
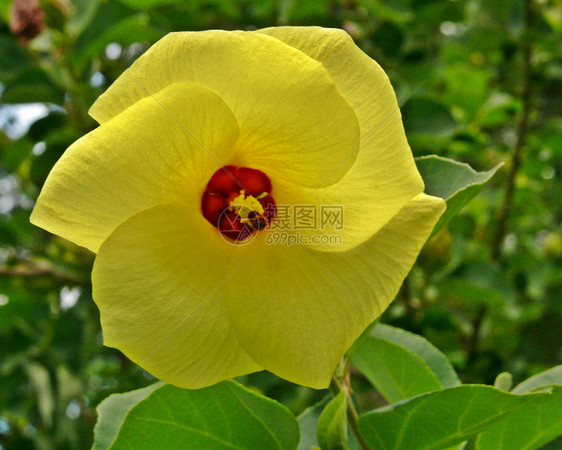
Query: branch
[[41, 269], [522, 130], [516, 160]]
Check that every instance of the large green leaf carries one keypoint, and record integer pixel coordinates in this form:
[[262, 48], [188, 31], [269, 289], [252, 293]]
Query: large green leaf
[[219, 416], [440, 419], [332, 425], [419, 345], [112, 412], [395, 371], [531, 426], [457, 183]]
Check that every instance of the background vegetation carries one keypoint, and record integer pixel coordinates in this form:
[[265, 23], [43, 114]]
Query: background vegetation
[[479, 81]]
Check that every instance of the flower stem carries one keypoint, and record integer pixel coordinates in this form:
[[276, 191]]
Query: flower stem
[[340, 382]]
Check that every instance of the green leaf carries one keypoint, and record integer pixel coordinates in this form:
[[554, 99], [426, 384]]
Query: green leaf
[[146, 4], [499, 109], [424, 116], [332, 425], [549, 377], [31, 86], [105, 16], [40, 379], [457, 183], [308, 424], [41, 128], [396, 12], [20, 306], [532, 426], [223, 415], [17, 230], [13, 53], [467, 87], [112, 412], [42, 164], [84, 12], [130, 30], [15, 153], [394, 370], [419, 345], [54, 17], [504, 381], [440, 419]]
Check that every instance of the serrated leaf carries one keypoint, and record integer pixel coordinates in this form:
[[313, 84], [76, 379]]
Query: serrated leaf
[[440, 419], [224, 415], [112, 412], [457, 183], [395, 371], [332, 425], [529, 428], [419, 345]]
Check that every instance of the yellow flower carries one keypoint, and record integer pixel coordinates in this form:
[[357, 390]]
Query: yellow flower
[[214, 133]]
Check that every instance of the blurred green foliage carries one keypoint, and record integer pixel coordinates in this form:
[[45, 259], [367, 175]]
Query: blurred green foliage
[[490, 300]]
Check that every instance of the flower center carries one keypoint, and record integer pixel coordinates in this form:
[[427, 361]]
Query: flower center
[[238, 201]]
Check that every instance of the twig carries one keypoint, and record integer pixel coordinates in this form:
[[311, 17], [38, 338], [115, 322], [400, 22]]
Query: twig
[[522, 129]]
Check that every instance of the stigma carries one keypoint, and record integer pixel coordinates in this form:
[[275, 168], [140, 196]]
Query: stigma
[[238, 202]]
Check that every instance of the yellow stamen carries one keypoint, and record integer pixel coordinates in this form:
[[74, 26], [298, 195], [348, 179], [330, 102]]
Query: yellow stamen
[[244, 204]]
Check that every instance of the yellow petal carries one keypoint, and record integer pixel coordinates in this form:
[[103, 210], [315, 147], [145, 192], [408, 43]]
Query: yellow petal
[[163, 148], [157, 281], [294, 124], [296, 310], [384, 176]]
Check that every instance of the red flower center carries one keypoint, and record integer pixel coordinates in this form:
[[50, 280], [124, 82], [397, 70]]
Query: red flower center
[[238, 201]]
